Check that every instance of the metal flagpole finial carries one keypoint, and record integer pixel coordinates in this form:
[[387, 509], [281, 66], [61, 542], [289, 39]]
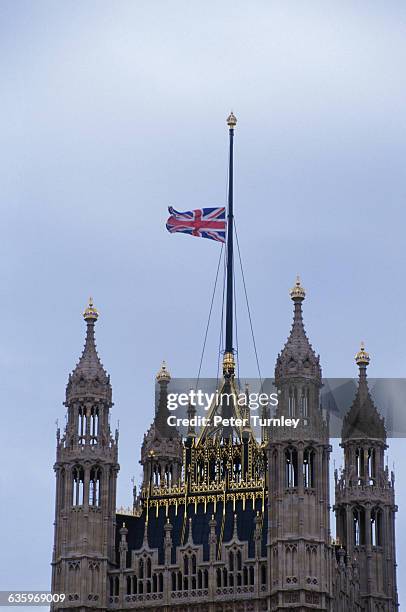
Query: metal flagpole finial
[[231, 120]]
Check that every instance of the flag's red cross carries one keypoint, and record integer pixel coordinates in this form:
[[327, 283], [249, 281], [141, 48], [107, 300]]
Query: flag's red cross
[[205, 222]]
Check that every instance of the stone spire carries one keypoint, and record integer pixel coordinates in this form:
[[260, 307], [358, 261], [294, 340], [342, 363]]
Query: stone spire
[[89, 375], [163, 378], [297, 357], [86, 470], [365, 498], [298, 460], [363, 419], [161, 451]]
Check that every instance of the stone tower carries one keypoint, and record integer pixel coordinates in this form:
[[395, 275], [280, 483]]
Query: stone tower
[[86, 472], [365, 499], [299, 531], [161, 451]]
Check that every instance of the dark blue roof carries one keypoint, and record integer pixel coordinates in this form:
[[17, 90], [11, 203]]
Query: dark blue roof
[[200, 527]]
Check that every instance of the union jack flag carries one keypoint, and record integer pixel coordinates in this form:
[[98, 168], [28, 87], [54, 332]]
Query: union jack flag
[[204, 222]]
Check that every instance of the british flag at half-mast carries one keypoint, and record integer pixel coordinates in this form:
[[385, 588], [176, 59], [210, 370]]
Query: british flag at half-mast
[[203, 222]]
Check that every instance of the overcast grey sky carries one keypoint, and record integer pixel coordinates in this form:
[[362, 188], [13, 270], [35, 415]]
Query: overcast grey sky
[[110, 111]]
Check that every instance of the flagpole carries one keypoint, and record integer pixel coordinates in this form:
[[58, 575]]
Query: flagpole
[[228, 364]]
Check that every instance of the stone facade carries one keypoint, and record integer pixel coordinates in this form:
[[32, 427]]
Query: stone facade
[[224, 521]]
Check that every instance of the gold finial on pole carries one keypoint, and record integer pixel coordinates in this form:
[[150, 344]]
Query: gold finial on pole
[[231, 120], [362, 357], [91, 313], [163, 374], [297, 292]]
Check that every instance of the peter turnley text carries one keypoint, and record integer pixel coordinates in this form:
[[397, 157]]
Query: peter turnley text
[[255, 420]]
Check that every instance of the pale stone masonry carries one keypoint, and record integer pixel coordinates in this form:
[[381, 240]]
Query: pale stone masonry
[[223, 521]]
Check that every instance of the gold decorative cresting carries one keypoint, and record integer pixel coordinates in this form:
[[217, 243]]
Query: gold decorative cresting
[[163, 374], [91, 313], [231, 120], [228, 363], [362, 357], [297, 292]]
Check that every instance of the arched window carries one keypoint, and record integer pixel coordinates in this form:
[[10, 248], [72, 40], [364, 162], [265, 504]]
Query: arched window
[[78, 480], [218, 576], [206, 579], [173, 581], [292, 402], [186, 565], [251, 572], [360, 465], [81, 425], [305, 402], [168, 475], [231, 561], [141, 569], [94, 424], [359, 526], [291, 467], [376, 527], [308, 468], [156, 475], [263, 574], [239, 560], [291, 559], [371, 465], [148, 567], [94, 487], [129, 590]]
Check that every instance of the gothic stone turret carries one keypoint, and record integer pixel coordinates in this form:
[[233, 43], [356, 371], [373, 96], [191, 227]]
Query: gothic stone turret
[[161, 452], [86, 470], [299, 536], [365, 500]]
